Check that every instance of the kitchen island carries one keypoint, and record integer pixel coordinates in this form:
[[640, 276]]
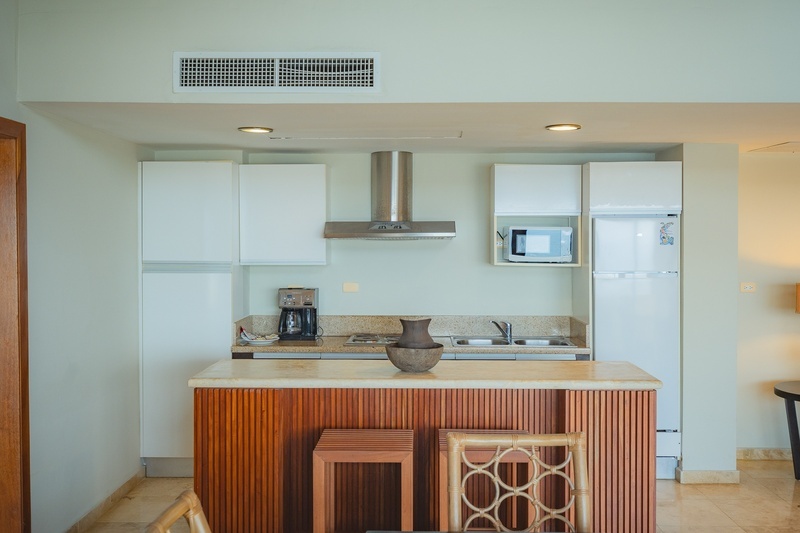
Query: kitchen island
[[257, 422]]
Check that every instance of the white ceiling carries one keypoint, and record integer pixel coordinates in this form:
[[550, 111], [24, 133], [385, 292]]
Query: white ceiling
[[441, 127]]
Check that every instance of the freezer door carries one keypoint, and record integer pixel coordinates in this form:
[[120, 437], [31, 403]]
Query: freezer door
[[636, 320], [634, 244]]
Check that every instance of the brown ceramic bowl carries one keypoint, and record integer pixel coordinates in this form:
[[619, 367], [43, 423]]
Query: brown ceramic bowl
[[414, 359]]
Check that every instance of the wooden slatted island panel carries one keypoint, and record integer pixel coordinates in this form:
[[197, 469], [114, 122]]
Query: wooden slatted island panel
[[257, 422]]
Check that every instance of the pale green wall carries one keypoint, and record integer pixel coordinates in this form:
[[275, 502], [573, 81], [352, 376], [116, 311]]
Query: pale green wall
[[709, 278], [768, 328], [443, 51], [84, 325], [8, 60], [427, 277]]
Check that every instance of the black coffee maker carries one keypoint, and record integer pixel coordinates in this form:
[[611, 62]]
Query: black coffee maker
[[298, 319]]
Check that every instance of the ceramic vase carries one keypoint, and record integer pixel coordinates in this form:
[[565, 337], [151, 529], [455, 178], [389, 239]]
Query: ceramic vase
[[415, 334]]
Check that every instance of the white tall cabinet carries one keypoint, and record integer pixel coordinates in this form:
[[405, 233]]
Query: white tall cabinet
[[187, 238], [200, 220]]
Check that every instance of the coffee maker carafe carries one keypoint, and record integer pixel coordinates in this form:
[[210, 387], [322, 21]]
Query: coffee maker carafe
[[298, 319]]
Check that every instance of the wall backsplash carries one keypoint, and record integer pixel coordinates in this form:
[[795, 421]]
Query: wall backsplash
[[441, 325]]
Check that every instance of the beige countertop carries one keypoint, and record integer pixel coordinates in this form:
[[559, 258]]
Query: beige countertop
[[335, 344], [300, 373]]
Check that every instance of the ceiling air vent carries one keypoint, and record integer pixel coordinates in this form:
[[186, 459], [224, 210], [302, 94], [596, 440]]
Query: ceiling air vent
[[240, 72]]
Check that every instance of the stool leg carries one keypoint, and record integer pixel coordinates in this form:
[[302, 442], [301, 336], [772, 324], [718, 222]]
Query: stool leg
[[319, 497], [330, 497], [323, 496], [794, 435], [407, 493]]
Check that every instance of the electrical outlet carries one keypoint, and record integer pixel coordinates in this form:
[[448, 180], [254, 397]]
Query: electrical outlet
[[349, 286], [747, 286]]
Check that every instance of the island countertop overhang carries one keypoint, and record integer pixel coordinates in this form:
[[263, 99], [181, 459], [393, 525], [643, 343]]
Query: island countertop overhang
[[360, 374]]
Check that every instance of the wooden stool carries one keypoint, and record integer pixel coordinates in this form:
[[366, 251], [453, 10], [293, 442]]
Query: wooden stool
[[361, 446], [480, 456]]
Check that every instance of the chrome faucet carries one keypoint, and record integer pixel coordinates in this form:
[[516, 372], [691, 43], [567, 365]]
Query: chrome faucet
[[505, 329]]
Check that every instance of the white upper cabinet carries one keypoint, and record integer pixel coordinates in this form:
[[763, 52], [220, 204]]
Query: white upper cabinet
[[282, 214], [546, 196], [640, 187], [187, 211], [536, 189]]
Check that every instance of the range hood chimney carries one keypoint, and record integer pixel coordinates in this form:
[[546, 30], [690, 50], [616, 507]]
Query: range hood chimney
[[391, 206]]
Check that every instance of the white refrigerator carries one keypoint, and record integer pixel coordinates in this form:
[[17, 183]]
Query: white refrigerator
[[636, 308]]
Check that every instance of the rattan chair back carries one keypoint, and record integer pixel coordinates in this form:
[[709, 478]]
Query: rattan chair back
[[557, 495]]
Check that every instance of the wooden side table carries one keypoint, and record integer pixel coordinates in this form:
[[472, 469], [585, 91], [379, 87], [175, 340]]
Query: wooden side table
[[790, 392]]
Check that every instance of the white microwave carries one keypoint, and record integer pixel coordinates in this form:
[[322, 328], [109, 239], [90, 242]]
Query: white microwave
[[537, 244]]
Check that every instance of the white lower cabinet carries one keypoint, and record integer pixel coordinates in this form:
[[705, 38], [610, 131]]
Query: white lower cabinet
[[186, 326], [355, 355], [286, 355]]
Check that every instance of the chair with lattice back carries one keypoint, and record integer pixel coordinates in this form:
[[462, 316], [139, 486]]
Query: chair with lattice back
[[556, 492], [188, 506]]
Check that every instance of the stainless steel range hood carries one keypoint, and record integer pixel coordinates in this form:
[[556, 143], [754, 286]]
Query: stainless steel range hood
[[391, 206]]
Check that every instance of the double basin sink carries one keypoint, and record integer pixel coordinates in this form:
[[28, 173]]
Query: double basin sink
[[496, 342]]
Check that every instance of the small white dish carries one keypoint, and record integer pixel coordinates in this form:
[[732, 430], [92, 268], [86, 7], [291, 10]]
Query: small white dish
[[262, 342]]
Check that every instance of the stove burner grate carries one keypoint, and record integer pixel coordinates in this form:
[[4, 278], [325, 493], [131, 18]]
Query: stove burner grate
[[372, 338]]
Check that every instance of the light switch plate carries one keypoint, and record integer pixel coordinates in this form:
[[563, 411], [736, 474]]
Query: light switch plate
[[747, 286]]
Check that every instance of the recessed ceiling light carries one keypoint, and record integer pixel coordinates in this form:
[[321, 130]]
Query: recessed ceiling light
[[255, 129], [563, 127]]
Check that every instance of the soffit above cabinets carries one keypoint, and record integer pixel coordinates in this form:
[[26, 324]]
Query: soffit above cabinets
[[438, 127]]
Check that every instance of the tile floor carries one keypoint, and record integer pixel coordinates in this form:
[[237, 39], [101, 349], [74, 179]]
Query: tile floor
[[142, 505], [766, 501]]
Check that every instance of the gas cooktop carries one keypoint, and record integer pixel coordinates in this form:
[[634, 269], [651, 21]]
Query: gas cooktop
[[371, 338]]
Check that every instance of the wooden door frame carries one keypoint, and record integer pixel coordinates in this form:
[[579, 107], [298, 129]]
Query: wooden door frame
[[15, 494]]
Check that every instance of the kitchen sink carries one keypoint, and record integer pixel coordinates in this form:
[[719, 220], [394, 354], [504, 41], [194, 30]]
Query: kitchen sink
[[479, 341], [519, 341], [543, 341]]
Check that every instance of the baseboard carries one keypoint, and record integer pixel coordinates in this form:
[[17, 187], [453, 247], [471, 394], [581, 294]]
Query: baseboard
[[764, 454], [89, 519], [706, 476]]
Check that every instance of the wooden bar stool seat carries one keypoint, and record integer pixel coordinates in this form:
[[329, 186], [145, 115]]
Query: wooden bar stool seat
[[361, 446], [475, 455]]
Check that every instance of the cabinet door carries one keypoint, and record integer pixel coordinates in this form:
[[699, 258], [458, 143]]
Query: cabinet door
[[537, 189], [186, 326], [187, 211], [282, 213], [638, 187]]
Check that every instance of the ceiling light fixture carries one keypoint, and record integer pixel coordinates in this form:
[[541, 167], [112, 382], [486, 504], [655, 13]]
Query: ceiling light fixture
[[563, 127], [255, 129]]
